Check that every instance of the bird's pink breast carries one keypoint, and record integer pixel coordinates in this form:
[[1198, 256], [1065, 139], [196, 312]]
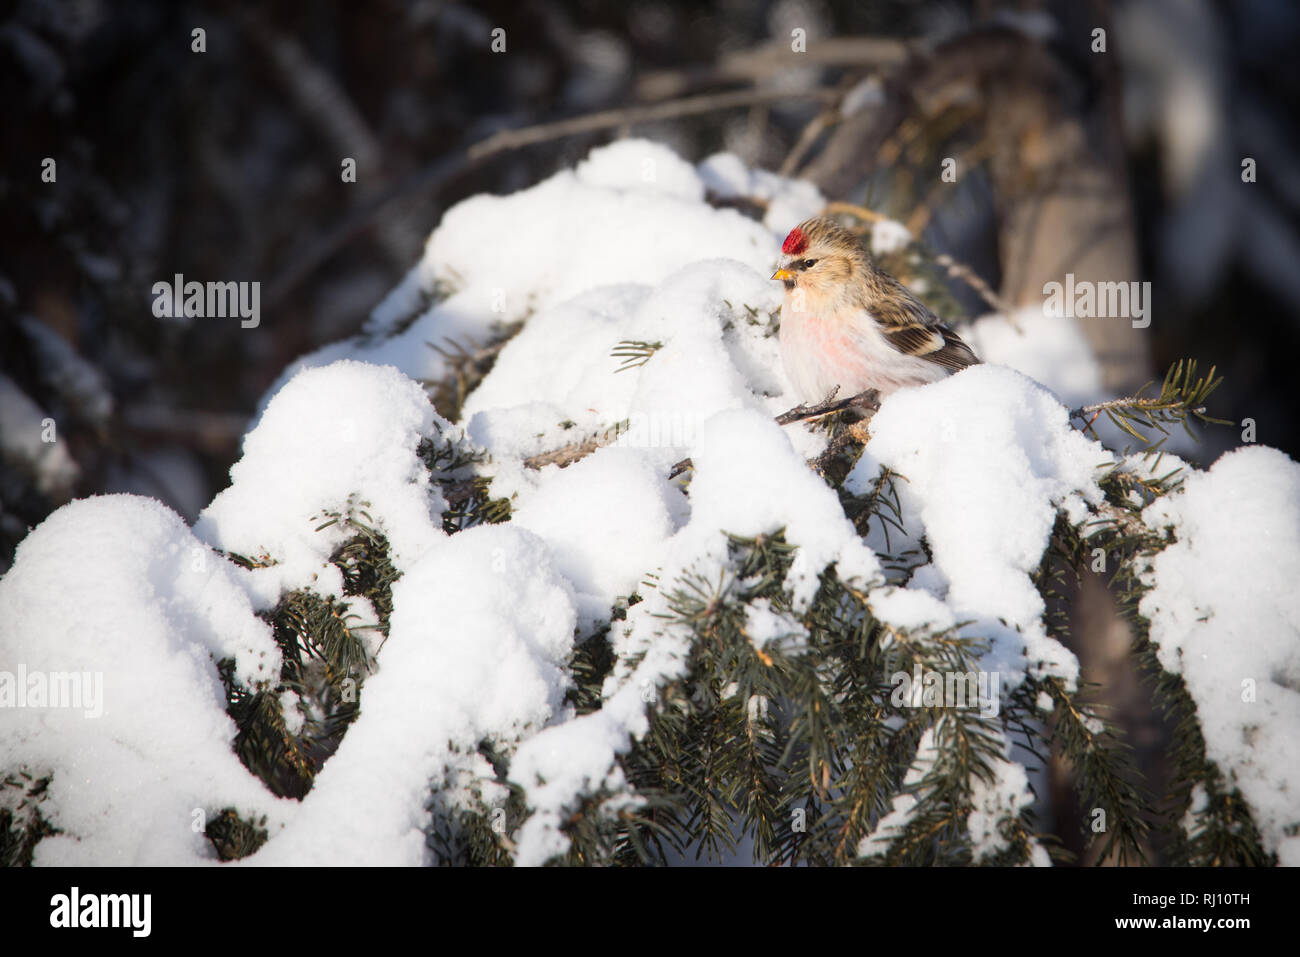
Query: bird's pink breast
[[820, 353]]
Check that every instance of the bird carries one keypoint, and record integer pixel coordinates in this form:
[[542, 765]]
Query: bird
[[847, 326]]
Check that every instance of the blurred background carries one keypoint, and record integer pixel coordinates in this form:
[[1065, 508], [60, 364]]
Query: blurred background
[[1147, 140]]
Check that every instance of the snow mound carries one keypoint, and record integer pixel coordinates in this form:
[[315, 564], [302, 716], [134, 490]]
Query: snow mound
[[114, 600], [332, 439], [480, 633], [989, 456], [1225, 614]]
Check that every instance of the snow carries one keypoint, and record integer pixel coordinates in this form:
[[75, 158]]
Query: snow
[[1225, 614], [866, 94], [480, 631], [642, 166], [892, 824], [118, 590], [765, 626], [622, 248], [989, 455], [888, 236], [559, 368], [1049, 349], [77, 381], [910, 608], [749, 481], [578, 757], [789, 202], [605, 519], [629, 214], [23, 429], [993, 803], [328, 435], [523, 402]]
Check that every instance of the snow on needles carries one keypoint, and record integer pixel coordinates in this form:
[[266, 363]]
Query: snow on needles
[[479, 636], [748, 481], [113, 600], [1225, 614], [621, 252], [332, 440], [989, 455]]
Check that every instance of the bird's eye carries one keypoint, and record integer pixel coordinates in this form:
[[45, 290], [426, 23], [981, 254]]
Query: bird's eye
[[808, 263]]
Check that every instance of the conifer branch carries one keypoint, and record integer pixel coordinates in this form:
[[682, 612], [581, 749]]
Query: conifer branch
[[1106, 774], [1182, 396], [634, 352]]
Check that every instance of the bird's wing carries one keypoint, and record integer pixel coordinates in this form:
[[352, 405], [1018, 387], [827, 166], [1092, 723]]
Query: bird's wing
[[914, 330]]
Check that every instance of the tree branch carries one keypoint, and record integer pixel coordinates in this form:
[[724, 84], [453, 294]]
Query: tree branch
[[649, 113], [867, 403], [770, 59]]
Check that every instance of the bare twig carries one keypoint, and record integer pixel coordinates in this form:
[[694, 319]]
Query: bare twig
[[806, 139], [861, 212], [959, 270], [566, 455], [816, 126], [865, 402], [773, 58], [1126, 403], [608, 119]]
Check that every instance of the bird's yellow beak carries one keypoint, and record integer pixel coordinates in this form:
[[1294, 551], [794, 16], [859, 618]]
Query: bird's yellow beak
[[783, 274]]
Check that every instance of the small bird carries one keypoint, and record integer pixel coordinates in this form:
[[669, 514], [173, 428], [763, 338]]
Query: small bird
[[849, 325]]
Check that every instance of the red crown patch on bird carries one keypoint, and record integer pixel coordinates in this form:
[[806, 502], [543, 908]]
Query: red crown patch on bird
[[795, 243]]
